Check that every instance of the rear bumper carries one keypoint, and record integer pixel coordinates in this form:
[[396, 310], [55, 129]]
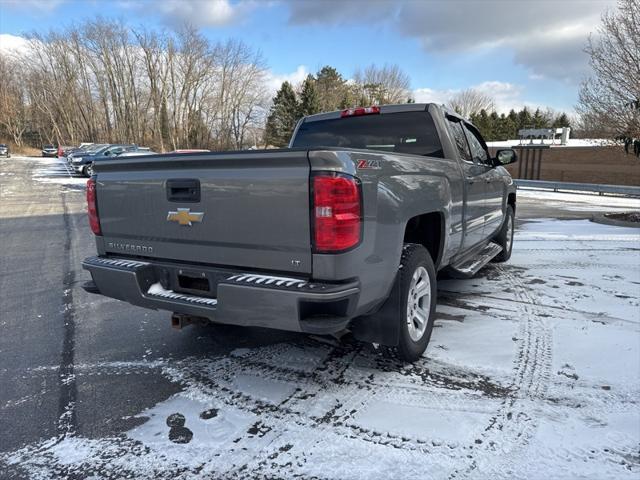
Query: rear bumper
[[234, 297]]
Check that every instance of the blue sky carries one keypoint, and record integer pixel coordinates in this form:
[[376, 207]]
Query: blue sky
[[522, 52]]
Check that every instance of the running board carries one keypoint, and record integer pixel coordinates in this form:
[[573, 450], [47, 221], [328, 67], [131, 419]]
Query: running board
[[470, 267]]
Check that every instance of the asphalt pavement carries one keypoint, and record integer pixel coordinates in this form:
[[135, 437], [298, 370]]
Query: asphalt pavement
[[50, 324]]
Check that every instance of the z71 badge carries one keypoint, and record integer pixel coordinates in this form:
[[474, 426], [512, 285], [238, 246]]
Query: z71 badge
[[369, 164]]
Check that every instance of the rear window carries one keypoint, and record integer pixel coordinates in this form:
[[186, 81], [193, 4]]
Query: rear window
[[406, 132]]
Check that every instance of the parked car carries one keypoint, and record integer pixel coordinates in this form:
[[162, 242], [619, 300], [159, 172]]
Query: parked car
[[84, 164], [64, 150], [4, 150], [84, 149], [343, 231], [49, 151]]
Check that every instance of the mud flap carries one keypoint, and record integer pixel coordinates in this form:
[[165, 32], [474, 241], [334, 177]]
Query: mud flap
[[382, 327]]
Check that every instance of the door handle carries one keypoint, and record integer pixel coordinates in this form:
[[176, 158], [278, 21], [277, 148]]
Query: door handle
[[183, 190]]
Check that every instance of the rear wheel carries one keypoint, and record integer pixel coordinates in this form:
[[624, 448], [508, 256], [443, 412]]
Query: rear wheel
[[504, 238], [417, 283]]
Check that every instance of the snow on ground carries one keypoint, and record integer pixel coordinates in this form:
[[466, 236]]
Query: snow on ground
[[56, 171], [572, 142], [533, 371]]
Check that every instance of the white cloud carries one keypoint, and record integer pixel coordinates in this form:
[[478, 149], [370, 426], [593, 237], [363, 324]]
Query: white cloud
[[506, 95], [203, 13], [274, 80], [34, 5], [546, 37], [13, 44]]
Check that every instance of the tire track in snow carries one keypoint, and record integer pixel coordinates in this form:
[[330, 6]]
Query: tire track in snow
[[513, 425]]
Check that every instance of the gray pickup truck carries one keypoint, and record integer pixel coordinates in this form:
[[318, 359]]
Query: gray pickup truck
[[345, 230]]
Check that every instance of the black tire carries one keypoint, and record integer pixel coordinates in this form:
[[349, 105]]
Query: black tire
[[415, 260], [88, 170], [504, 238]]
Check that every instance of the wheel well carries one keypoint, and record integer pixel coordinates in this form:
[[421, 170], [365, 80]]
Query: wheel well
[[511, 200], [426, 230]]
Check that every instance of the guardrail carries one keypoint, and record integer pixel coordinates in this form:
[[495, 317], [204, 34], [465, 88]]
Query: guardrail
[[579, 187]]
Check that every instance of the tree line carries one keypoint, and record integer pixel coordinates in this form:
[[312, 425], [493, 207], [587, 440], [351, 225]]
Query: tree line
[[329, 90], [495, 127], [102, 81]]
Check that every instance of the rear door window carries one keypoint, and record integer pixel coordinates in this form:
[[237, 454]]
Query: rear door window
[[460, 140], [478, 150], [405, 132]]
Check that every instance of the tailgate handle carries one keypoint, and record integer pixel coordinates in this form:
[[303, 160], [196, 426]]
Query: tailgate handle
[[183, 190]]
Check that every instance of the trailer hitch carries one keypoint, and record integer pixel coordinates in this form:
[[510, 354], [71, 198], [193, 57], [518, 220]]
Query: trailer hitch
[[181, 320]]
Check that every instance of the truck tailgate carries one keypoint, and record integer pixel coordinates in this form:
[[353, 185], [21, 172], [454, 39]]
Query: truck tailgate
[[252, 209]]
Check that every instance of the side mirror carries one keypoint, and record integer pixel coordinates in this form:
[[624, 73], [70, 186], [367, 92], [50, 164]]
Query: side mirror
[[505, 157]]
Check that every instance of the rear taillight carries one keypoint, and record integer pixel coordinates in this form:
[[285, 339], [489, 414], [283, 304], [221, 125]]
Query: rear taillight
[[355, 112], [92, 207], [336, 212]]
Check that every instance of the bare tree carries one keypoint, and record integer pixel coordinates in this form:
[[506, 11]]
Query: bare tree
[[470, 102], [609, 99], [382, 85], [102, 81], [12, 106]]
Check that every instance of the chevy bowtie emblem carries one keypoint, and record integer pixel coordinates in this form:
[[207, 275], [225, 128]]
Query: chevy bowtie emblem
[[184, 216]]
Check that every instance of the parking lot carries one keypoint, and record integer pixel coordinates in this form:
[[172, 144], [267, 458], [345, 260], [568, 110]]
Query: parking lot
[[533, 367]]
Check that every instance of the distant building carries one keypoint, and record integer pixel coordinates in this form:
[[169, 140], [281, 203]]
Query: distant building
[[542, 134], [542, 156]]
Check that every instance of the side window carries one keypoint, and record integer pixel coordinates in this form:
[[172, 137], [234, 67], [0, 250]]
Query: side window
[[478, 152], [461, 141]]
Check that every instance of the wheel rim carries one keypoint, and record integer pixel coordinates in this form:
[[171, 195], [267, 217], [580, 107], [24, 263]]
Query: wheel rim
[[418, 303], [509, 233], [90, 170]]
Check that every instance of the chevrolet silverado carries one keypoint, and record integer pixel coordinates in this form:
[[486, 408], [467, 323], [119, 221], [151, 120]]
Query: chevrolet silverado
[[345, 230]]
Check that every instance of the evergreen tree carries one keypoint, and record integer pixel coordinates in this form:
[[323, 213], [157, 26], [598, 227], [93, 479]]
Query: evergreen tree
[[539, 119], [494, 126], [561, 121], [309, 98], [524, 119], [283, 115], [332, 88], [348, 100], [502, 130], [483, 122], [512, 122]]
